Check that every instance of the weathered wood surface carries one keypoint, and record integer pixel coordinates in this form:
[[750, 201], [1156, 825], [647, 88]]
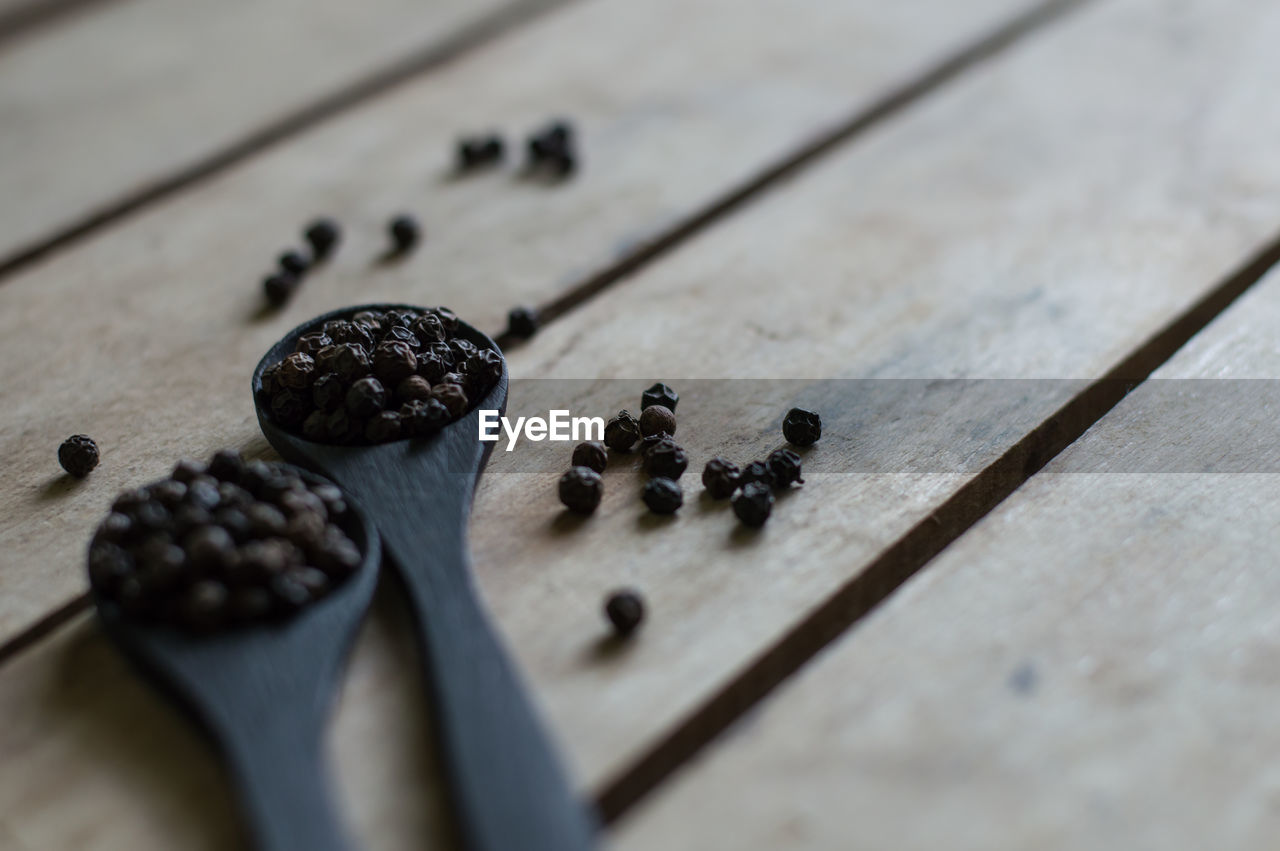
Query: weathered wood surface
[[1091, 666], [1032, 220], [106, 103], [168, 304]]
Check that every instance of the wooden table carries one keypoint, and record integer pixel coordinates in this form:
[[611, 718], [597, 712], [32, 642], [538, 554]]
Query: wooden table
[[1058, 643]]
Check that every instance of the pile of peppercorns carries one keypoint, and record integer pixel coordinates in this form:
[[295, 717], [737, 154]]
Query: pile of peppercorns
[[224, 543], [379, 376]]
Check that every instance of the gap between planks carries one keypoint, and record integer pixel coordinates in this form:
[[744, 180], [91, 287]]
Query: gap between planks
[[488, 28], [636, 258], [22, 17]]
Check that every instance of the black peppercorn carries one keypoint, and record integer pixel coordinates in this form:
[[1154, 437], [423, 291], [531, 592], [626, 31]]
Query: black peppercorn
[[289, 408], [431, 366], [424, 418], [581, 489], [666, 460], [801, 427], [429, 329], [720, 478], [401, 334], [785, 467], [311, 344], [393, 362], [350, 362], [657, 419], [756, 471], [663, 496], [226, 465], [322, 235], [659, 394], [522, 322], [552, 149], [366, 397], [452, 396], [297, 371], [370, 320], [477, 151], [316, 426], [293, 263], [383, 428], [404, 232], [484, 368], [413, 388], [279, 288], [78, 455], [447, 318], [328, 392], [591, 454], [752, 503], [622, 432], [341, 331], [625, 611]]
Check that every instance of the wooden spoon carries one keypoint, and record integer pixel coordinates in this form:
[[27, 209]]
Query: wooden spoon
[[509, 791], [264, 694]]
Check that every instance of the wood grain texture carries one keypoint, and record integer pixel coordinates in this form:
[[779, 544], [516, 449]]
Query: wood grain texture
[[1092, 666], [1031, 221], [125, 94], [167, 305]]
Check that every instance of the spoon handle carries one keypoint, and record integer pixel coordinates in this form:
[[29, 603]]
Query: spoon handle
[[509, 790], [280, 775]]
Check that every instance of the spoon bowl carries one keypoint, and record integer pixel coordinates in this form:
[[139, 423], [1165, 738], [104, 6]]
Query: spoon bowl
[[263, 693], [507, 786]]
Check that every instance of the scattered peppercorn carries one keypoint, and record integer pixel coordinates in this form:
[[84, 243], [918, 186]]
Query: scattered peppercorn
[[756, 471], [215, 545], [348, 373], [720, 478], [78, 455], [581, 489], [785, 467], [279, 288], [659, 394], [663, 496], [621, 432], [657, 419], [522, 322], [323, 236], [801, 427], [625, 611], [666, 460], [591, 454], [477, 151], [405, 233], [294, 263], [752, 503], [552, 149]]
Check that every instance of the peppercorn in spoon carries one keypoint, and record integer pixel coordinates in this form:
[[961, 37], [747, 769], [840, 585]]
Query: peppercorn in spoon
[[238, 589], [385, 400]]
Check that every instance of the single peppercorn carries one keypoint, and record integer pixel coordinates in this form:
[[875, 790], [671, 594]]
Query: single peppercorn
[[312, 344], [279, 288], [349, 362], [756, 471], [383, 427], [297, 372], [622, 432], [342, 331], [659, 394], [580, 489], [452, 396], [591, 454], [429, 329], [322, 235], [625, 611], [752, 503], [477, 151], [484, 367], [522, 322], [393, 362], [414, 387], [663, 496], [657, 419], [293, 263], [423, 418], [78, 455], [328, 392], [666, 460], [289, 408], [802, 427], [785, 467], [405, 233], [366, 398], [720, 477]]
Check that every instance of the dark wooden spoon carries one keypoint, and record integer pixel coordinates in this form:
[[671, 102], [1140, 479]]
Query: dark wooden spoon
[[509, 791], [264, 694]]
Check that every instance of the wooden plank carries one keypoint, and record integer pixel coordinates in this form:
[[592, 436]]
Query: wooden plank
[[172, 296], [983, 234], [1092, 666], [112, 102]]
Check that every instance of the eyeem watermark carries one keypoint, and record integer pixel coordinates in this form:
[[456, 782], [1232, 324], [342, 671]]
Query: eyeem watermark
[[557, 426]]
